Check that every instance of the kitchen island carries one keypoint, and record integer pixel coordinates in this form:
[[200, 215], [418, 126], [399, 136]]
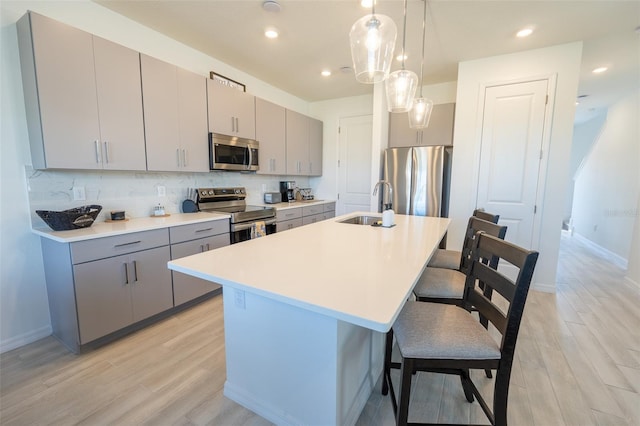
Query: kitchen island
[[305, 312]]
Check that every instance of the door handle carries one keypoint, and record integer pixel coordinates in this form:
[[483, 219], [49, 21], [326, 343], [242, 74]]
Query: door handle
[[135, 271], [97, 146], [126, 273], [106, 151]]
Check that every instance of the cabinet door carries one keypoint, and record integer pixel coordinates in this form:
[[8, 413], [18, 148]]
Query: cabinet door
[[315, 147], [103, 297], [400, 134], [271, 133], [120, 100], [160, 95], [186, 287], [440, 129], [307, 220], [151, 291], [193, 127], [297, 144], [66, 87], [231, 112]]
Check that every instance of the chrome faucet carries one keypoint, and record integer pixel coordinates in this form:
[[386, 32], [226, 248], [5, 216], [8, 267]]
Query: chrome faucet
[[388, 193]]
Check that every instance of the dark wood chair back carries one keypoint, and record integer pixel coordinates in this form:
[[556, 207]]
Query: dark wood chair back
[[489, 217], [475, 225]]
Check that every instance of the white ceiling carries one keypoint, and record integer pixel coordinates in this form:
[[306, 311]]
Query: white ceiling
[[314, 35]]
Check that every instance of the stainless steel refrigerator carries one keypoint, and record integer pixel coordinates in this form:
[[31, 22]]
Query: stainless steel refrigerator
[[420, 178]]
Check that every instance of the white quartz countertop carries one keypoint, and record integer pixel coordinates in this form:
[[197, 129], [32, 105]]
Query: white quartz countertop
[[296, 204], [356, 273], [108, 229]]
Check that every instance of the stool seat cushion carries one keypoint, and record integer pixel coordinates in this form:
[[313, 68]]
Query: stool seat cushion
[[440, 283], [437, 331], [448, 259]]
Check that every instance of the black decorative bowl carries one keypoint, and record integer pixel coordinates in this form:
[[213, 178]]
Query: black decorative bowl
[[80, 217]]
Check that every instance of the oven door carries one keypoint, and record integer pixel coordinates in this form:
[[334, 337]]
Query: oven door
[[232, 153], [243, 231]]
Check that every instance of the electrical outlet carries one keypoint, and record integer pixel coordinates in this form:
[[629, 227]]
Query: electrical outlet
[[239, 298], [78, 193], [162, 191]]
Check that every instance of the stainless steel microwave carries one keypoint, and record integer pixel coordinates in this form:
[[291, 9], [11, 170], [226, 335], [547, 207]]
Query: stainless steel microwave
[[232, 153]]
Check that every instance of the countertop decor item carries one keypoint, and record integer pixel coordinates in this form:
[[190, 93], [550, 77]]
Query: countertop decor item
[[79, 217]]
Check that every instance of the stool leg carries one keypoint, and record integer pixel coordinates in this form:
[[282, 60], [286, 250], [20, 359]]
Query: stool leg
[[386, 373], [405, 392]]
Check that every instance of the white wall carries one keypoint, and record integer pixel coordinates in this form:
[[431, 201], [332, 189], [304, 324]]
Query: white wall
[[608, 185], [563, 62], [633, 268], [585, 135], [24, 314]]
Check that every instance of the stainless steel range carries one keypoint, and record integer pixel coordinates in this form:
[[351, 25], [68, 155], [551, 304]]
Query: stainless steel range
[[244, 218]]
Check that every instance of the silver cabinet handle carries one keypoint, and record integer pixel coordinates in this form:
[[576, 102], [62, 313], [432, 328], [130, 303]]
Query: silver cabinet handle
[[203, 230], [184, 158], [106, 151], [127, 244], [208, 247], [135, 271], [97, 146], [237, 125], [126, 273], [201, 248], [178, 157], [233, 124]]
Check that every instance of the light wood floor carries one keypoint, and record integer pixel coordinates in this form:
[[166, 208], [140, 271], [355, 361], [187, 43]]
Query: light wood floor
[[578, 363]]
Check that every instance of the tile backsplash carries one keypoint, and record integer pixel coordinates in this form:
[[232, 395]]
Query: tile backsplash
[[135, 192]]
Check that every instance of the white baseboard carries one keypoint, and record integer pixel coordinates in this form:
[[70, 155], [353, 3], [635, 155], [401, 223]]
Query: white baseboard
[[611, 256], [25, 339], [545, 288]]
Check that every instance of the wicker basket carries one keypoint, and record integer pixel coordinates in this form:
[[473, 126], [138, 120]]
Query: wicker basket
[[80, 217]]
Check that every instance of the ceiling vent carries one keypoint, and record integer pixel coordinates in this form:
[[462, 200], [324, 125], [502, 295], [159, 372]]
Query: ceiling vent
[[271, 6]]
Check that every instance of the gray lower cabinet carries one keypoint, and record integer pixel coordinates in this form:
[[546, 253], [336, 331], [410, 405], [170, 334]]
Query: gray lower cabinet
[[99, 286], [300, 216], [115, 292], [187, 240]]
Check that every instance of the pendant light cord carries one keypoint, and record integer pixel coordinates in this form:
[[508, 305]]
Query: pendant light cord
[[424, 31], [404, 32]]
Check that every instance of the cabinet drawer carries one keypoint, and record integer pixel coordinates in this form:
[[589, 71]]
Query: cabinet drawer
[[288, 214], [329, 215], [288, 224], [311, 210], [189, 248], [178, 234], [307, 220], [100, 248], [328, 207]]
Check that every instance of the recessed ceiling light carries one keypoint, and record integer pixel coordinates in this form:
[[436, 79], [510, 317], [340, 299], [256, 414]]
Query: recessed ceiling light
[[326, 73], [600, 70], [366, 3], [271, 33], [400, 57], [525, 32]]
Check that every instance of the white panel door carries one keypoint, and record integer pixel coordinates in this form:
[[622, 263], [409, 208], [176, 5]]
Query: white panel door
[[511, 148], [354, 166]]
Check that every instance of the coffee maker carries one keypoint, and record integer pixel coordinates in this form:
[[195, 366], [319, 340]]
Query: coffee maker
[[287, 189]]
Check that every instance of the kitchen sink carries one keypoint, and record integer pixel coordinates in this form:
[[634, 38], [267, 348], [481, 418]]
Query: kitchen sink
[[362, 220]]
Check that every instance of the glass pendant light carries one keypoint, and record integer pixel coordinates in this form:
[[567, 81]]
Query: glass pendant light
[[401, 85], [420, 113], [373, 38]]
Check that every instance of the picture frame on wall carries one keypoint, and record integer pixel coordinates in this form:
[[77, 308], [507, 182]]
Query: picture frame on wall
[[221, 79]]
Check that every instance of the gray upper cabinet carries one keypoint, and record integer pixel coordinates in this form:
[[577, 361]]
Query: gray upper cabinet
[[82, 97], [271, 133], [175, 117], [439, 131], [304, 145], [231, 112], [297, 144], [315, 147]]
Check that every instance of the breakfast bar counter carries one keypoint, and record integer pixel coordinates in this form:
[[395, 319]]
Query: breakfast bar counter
[[305, 312]]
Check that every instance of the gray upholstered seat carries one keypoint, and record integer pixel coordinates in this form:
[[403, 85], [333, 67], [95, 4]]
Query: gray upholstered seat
[[448, 259], [437, 331], [440, 283]]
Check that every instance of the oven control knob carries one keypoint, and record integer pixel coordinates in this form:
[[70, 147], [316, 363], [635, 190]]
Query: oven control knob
[[211, 192], [237, 191], [203, 193]]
